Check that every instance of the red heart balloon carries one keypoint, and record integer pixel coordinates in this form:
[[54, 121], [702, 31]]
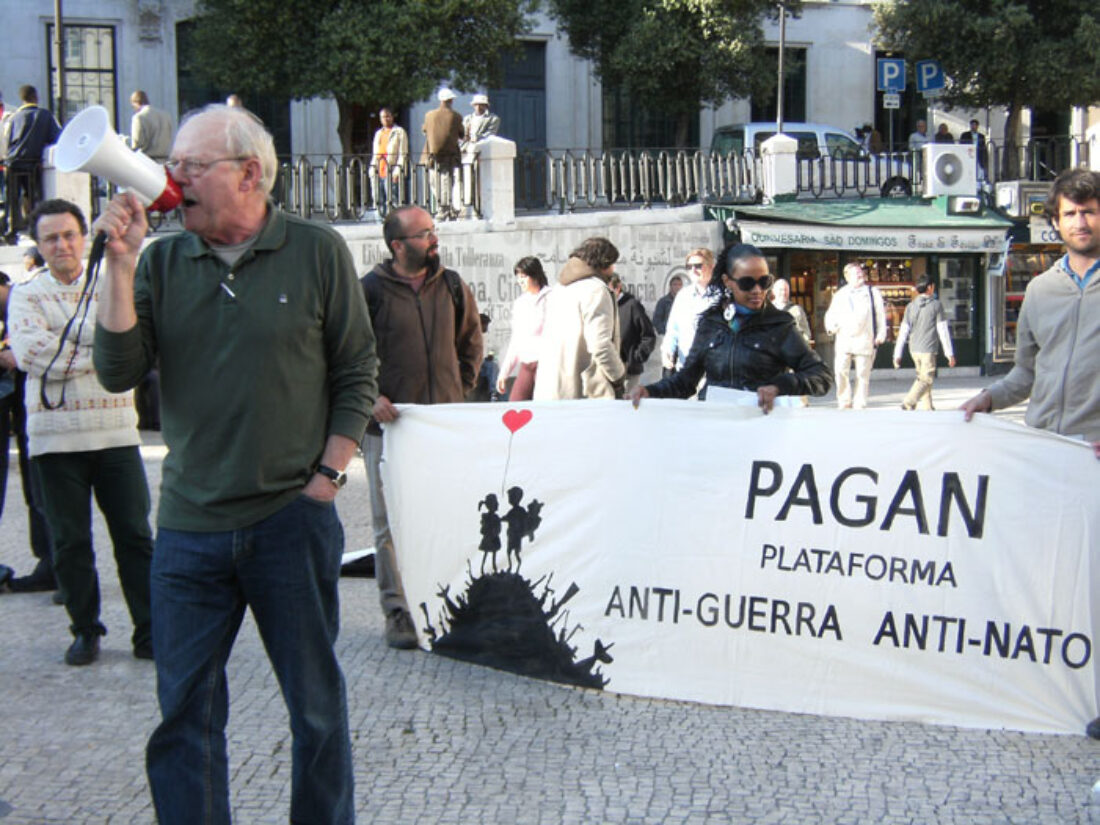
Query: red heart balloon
[[514, 419]]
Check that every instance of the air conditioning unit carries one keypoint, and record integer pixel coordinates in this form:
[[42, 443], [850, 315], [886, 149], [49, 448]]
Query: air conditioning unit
[[950, 169], [1022, 198]]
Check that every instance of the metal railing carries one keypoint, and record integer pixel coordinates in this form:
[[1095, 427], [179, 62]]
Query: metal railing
[[902, 173], [1037, 159], [894, 174], [569, 179], [335, 188], [348, 188]]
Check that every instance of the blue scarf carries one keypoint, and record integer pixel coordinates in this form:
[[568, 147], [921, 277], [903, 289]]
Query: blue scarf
[[738, 316]]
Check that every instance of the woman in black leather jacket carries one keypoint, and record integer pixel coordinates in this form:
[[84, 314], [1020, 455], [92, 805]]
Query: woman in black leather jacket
[[744, 342]]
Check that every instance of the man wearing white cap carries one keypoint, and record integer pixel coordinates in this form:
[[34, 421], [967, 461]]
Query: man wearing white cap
[[481, 124], [443, 130]]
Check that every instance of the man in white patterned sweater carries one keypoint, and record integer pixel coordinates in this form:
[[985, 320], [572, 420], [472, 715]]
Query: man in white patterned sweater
[[83, 439]]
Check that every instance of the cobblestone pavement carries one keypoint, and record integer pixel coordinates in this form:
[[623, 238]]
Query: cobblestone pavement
[[441, 741]]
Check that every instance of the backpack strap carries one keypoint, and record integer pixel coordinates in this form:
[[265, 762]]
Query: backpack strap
[[454, 286], [373, 292]]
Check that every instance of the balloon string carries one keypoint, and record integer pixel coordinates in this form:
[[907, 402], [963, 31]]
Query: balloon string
[[507, 461]]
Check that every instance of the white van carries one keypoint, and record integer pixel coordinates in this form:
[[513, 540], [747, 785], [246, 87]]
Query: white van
[[814, 139], [817, 141]]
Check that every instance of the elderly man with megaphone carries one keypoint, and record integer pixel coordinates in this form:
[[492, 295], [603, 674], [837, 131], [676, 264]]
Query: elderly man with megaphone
[[268, 369]]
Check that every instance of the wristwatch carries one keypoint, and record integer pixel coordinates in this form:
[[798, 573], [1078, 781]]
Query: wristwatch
[[338, 477]]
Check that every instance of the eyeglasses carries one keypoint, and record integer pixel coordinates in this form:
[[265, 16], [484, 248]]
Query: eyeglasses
[[746, 282], [695, 266], [53, 238], [198, 168], [422, 235]]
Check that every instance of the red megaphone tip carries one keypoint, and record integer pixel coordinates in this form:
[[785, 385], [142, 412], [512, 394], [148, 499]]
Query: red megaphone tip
[[169, 198]]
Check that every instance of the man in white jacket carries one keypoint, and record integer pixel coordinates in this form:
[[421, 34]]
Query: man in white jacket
[[857, 319], [83, 439], [579, 348]]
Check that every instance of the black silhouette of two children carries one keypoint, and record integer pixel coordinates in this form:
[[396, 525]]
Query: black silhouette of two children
[[521, 521]]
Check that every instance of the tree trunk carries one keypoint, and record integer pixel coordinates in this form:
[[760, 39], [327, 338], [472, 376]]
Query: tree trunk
[[343, 127], [1010, 153], [683, 128]]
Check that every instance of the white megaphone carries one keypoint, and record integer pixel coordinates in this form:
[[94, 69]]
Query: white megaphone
[[89, 144]]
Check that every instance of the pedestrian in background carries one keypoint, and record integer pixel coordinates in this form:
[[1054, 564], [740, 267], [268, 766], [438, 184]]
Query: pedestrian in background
[[528, 319], [664, 304], [690, 303], [857, 318], [579, 351], [925, 328], [389, 160], [636, 332], [13, 421]]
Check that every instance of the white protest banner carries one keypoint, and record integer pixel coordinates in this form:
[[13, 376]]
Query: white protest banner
[[870, 564]]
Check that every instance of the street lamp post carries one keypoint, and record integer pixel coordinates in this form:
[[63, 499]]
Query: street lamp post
[[779, 81], [59, 57]]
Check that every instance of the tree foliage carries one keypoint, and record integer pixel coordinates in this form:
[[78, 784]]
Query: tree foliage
[[673, 55], [366, 52], [1010, 53]]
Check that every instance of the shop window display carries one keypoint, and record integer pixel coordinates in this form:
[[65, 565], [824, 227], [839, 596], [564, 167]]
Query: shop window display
[[1025, 261]]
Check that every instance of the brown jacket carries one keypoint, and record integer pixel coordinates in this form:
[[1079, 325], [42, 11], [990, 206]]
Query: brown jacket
[[423, 358], [443, 128]]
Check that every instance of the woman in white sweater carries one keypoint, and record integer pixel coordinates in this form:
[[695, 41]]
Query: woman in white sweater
[[528, 317]]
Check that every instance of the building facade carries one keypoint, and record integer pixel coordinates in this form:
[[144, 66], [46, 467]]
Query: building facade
[[550, 98]]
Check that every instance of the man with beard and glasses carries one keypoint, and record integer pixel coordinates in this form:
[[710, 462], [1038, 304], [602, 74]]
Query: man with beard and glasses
[[429, 348]]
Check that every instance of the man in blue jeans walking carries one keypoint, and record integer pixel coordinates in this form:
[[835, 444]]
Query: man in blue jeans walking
[[268, 369]]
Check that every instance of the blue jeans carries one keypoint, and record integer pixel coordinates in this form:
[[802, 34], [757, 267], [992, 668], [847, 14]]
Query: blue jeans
[[286, 568]]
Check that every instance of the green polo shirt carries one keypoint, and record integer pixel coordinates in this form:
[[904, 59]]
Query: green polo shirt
[[259, 363]]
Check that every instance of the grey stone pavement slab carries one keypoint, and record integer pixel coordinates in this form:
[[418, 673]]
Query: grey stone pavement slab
[[441, 741]]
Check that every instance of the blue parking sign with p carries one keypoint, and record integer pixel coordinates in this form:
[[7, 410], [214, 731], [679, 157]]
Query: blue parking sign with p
[[891, 74], [930, 76]]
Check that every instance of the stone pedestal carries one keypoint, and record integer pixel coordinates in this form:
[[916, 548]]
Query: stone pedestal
[[779, 157], [72, 186], [497, 179]]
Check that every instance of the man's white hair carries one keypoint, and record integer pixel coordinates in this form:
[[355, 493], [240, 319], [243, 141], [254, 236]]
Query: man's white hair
[[245, 136], [853, 267]]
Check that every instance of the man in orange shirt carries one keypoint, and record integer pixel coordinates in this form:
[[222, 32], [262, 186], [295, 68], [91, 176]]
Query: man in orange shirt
[[389, 159]]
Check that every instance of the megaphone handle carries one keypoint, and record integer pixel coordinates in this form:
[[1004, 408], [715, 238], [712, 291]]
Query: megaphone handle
[[99, 244]]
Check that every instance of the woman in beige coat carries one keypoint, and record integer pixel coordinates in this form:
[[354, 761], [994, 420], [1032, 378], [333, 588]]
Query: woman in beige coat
[[579, 353]]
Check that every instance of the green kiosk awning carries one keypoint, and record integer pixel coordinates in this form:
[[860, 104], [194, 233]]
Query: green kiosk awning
[[902, 225]]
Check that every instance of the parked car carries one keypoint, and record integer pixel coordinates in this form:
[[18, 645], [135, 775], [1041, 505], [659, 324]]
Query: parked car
[[829, 157]]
